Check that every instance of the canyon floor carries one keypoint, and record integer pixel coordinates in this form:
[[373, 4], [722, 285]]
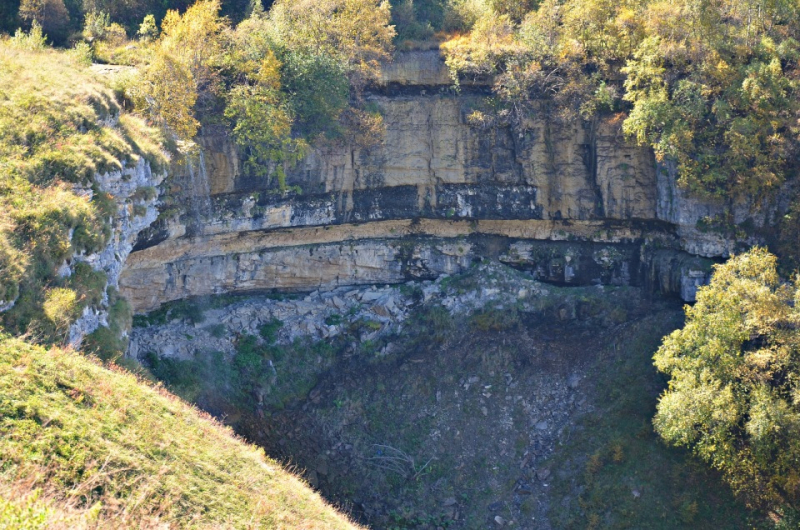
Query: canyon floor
[[483, 400]]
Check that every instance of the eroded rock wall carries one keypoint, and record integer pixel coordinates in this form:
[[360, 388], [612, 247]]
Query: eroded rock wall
[[435, 195], [308, 258], [579, 171], [134, 189]]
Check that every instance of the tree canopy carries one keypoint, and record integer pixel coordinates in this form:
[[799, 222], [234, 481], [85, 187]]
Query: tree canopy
[[281, 79], [734, 388], [712, 87], [357, 31]]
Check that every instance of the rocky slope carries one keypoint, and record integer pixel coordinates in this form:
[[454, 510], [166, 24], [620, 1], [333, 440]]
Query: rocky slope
[[476, 400], [572, 202]]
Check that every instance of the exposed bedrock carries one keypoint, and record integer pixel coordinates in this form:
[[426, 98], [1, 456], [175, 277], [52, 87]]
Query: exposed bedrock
[[571, 201], [135, 211], [326, 257]]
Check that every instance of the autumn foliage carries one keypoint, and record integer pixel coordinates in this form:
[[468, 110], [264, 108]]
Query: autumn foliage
[[734, 389]]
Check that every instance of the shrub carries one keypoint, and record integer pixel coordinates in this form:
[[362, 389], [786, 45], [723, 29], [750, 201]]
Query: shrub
[[61, 307], [493, 319], [82, 54], [269, 331], [109, 343], [32, 41], [333, 320], [249, 355], [89, 283], [217, 330], [435, 324], [105, 344]]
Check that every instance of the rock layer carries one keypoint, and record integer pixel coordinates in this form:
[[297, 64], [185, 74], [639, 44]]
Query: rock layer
[[437, 182]]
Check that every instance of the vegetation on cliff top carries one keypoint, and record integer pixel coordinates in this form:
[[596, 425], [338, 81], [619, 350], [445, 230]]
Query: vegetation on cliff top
[[85, 446], [711, 87], [63, 20], [279, 80]]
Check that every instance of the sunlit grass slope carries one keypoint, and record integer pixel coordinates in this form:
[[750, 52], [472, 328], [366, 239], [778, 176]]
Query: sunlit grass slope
[[59, 125], [85, 446]]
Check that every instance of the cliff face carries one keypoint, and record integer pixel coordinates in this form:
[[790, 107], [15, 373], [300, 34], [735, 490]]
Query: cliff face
[[574, 203], [135, 212]]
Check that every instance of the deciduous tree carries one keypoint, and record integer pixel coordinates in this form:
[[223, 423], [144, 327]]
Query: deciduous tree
[[183, 71], [734, 389], [357, 31]]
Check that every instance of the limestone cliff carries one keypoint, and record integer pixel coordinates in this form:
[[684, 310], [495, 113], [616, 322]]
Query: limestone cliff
[[136, 197], [572, 202]]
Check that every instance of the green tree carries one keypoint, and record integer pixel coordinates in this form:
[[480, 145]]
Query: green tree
[[407, 24], [196, 40], [727, 119], [734, 388], [317, 89], [356, 31], [148, 30], [255, 9], [262, 121], [516, 9], [183, 72], [166, 93], [52, 15], [95, 25]]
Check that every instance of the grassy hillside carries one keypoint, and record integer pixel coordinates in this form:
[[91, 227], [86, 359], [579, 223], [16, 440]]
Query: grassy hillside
[[82, 445], [85, 446], [59, 125]]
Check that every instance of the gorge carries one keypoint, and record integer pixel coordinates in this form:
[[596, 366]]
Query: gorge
[[399, 264], [381, 280]]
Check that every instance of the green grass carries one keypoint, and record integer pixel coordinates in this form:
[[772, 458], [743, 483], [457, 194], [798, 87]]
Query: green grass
[[616, 455], [85, 446]]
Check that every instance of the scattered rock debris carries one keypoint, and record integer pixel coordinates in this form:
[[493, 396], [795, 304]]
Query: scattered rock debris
[[450, 417]]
